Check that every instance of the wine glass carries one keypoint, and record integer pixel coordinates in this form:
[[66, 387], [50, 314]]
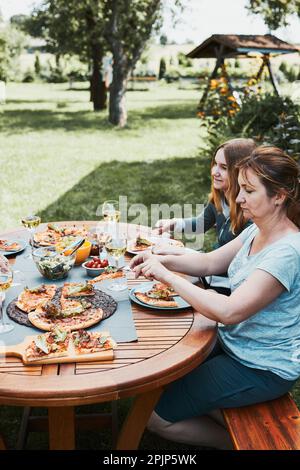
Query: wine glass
[[111, 211], [31, 222], [116, 247], [6, 278]]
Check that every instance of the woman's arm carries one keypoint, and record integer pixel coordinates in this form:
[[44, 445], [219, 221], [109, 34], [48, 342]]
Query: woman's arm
[[259, 290], [197, 264]]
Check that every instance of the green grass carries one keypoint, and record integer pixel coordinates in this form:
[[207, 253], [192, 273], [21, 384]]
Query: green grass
[[50, 140]]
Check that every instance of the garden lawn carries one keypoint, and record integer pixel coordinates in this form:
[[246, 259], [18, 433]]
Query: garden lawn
[[50, 139]]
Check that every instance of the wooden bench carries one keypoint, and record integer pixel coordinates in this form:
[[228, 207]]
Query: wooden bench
[[272, 425]]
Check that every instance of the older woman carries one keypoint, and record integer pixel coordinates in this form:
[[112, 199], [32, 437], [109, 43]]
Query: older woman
[[257, 354]]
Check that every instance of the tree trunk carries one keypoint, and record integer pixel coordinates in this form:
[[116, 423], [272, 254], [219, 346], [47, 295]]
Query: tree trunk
[[117, 100], [98, 88]]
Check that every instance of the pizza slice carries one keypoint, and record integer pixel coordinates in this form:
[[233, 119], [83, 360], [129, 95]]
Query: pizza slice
[[77, 289], [46, 238], [86, 342], [48, 345], [155, 302], [110, 273], [161, 291], [31, 299], [141, 244], [6, 245]]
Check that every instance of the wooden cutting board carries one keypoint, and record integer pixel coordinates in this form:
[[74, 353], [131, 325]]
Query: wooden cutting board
[[18, 350]]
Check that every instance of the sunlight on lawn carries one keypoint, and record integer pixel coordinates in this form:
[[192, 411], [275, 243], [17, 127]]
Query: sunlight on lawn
[[51, 139]]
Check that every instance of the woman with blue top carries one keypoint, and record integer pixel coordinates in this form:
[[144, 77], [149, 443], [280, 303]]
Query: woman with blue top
[[222, 211], [257, 356]]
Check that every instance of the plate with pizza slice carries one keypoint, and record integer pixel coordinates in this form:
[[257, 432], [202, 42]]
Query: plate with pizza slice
[[158, 296], [61, 235], [140, 244], [12, 246]]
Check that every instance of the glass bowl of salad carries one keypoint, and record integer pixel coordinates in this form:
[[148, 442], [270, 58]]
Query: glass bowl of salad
[[52, 264]]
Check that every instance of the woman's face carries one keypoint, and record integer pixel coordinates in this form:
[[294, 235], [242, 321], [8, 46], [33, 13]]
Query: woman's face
[[253, 198], [219, 171]]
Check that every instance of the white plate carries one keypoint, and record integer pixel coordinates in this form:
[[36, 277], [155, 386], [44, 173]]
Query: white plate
[[155, 241]]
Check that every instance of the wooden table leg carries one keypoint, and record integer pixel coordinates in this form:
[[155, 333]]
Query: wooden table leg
[[61, 428], [136, 420]]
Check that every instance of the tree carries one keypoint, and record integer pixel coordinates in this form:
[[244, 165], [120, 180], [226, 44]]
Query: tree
[[274, 12], [162, 68], [12, 43], [130, 25], [37, 65], [72, 27]]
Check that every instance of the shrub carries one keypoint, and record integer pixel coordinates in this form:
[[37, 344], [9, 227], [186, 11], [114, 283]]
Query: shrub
[[268, 119]]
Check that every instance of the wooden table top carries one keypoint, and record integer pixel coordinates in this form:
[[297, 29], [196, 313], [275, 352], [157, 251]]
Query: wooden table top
[[169, 345]]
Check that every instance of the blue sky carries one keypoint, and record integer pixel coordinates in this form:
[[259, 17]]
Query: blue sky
[[200, 19]]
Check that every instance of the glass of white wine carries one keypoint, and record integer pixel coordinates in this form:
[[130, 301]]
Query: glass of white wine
[[6, 278], [111, 211], [116, 248], [31, 222]]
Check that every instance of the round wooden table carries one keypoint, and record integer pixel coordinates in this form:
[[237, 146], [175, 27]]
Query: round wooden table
[[168, 347]]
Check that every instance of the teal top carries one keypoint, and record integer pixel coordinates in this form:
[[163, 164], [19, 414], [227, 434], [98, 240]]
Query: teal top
[[269, 339]]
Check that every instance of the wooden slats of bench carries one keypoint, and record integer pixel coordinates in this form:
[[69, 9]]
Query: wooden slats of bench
[[272, 425]]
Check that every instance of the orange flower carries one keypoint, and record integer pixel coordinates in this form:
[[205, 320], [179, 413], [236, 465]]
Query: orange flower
[[224, 91], [213, 84], [231, 98], [201, 114]]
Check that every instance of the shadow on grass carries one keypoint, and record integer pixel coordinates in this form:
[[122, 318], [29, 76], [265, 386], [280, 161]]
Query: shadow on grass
[[176, 180], [20, 121]]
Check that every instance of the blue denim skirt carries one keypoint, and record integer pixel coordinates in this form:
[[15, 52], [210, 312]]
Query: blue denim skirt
[[219, 382]]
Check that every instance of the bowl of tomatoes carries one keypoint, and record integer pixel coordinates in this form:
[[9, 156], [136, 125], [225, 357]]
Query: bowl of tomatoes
[[95, 266]]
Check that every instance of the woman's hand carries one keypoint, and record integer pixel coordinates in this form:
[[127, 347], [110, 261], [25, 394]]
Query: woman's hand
[[164, 225], [152, 268], [139, 259]]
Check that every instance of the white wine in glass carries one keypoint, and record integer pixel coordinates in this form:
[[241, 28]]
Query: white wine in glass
[[116, 247], [31, 222], [6, 278], [111, 211]]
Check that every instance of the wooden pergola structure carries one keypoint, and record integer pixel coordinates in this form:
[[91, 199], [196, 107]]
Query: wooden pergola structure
[[225, 46]]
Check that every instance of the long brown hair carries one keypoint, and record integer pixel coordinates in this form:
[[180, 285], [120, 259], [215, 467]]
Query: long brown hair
[[234, 151], [277, 171]]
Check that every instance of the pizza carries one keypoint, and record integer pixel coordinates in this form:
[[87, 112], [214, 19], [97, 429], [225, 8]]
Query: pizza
[[86, 342], [156, 302], [6, 245], [141, 244], [161, 291], [48, 345], [64, 343], [55, 234], [71, 314], [110, 273], [31, 299]]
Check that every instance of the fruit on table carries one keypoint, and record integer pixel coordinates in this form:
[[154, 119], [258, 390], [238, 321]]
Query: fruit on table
[[97, 263]]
